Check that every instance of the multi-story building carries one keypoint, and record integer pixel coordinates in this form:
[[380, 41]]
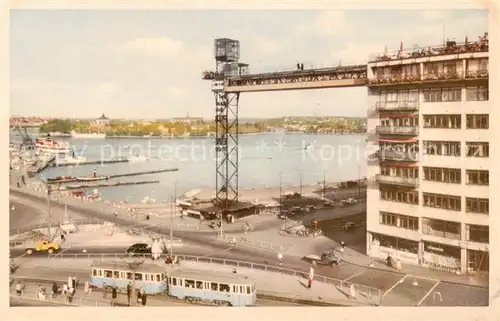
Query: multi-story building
[[428, 194]]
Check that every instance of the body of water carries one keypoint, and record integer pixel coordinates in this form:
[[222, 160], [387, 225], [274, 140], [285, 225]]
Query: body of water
[[261, 160]]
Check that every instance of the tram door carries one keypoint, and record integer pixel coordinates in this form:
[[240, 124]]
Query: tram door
[[237, 294], [206, 289]]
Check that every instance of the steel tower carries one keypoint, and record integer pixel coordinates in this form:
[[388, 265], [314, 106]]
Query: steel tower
[[226, 54]]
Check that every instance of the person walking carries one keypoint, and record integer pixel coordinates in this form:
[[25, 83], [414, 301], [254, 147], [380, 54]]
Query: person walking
[[86, 287], [104, 290], [19, 288], [114, 294], [311, 277], [144, 299], [129, 292]]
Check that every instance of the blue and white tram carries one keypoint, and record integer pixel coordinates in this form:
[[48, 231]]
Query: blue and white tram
[[150, 277], [212, 286]]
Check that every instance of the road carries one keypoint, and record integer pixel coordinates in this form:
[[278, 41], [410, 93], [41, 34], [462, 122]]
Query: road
[[393, 283]]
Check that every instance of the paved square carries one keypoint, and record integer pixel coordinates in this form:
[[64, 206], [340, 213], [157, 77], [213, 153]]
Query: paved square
[[341, 272], [458, 295], [408, 294], [378, 279]]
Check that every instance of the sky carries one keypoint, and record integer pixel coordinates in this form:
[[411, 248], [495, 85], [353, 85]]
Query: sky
[[148, 63]]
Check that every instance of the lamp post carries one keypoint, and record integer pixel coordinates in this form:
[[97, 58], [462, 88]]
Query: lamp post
[[324, 184], [300, 185]]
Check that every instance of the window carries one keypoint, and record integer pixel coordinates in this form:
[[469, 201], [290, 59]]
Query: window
[[189, 283], [446, 202], [406, 172], [441, 148], [478, 233], [214, 286], [199, 285], [108, 273], [130, 276], [479, 93], [441, 228], [477, 205], [174, 281], [394, 195], [442, 95], [477, 177], [398, 220], [138, 276], [478, 149], [397, 243], [158, 277], [443, 121], [478, 122], [249, 290], [224, 287], [94, 272], [443, 175], [116, 274]]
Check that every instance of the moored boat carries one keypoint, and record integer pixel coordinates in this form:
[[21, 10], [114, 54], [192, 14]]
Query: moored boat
[[92, 178], [138, 158], [61, 179], [51, 146]]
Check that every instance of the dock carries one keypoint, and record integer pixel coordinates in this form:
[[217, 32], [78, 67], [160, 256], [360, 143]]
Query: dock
[[108, 184], [145, 173], [98, 162]]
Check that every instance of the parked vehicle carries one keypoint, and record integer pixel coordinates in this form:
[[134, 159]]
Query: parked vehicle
[[139, 249], [326, 258]]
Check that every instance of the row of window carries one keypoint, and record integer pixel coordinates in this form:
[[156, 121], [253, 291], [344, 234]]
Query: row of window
[[434, 227], [454, 203], [399, 122], [443, 148], [213, 286], [121, 275], [438, 174], [444, 94], [441, 201], [473, 121], [398, 220]]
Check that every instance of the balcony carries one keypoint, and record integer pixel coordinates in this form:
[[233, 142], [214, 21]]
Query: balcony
[[396, 180], [400, 156], [397, 105], [440, 76], [395, 130], [479, 74], [394, 80]]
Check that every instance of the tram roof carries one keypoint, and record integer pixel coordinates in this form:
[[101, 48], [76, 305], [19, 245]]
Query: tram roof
[[123, 266], [211, 276]]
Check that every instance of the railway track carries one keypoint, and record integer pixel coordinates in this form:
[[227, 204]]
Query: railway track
[[262, 299]]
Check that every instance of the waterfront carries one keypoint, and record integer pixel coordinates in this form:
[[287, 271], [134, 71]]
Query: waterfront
[[262, 158]]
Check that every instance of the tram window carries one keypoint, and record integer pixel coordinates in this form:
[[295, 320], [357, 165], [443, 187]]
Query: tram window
[[146, 277], [214, 286], [189, 283], [99, 272], [130, 276], [116, 274], [234, 288], [94, 272], [248, 289], [108, 273], [180, 281], [199, 285], [174, 281], [158, 277], [224, 287], [123, 275], [242, 289], [138, 276]]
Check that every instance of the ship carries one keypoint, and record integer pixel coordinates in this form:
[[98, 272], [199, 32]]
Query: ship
[[48, 145], [76, 135]]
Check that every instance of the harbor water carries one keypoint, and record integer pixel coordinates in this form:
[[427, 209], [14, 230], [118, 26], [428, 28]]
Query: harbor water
[[263, 159]]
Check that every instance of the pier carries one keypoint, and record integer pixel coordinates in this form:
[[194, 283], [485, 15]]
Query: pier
[[108, 184], [145, 173], [98, 162]]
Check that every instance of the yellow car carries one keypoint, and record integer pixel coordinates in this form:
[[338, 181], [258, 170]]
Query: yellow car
[[44, 246]]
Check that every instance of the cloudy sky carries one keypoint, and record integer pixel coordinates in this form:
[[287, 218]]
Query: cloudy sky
[[148, 64]]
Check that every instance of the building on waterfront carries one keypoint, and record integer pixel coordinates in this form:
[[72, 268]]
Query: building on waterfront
[[428, 189], [102, 121], [188, 119]]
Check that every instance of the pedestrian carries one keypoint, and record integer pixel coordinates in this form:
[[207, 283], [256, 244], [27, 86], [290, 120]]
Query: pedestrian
[[104, 291], [86, 287], [234, 270], [139, 296], [114, 294], [352, 291], [311, 277], [129, 292], [19, 288], [55, 289], [65, 288], [342, 244], [70, 282], [71, 292], [143, 299], [73, 282]]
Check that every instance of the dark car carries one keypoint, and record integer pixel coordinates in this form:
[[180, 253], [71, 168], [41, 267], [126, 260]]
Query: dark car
[[139, 249]]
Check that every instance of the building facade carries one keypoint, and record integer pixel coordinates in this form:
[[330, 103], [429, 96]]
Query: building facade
[[102, 121], [428, 175]]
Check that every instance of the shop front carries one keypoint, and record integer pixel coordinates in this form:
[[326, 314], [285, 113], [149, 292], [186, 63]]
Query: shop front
[[403, 249], [441, 256]]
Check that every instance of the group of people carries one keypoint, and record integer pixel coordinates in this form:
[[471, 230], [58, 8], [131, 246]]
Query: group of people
[[141, 294]]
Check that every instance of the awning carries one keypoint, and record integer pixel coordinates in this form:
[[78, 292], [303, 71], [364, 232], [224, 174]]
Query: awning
[[398, 116], [397, 140], [398, 164]]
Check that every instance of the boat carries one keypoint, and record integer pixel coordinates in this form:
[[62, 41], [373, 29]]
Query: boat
[[59, 134], [76, 135], [92, 178], [138, 158], [61, 179], [51, 146]]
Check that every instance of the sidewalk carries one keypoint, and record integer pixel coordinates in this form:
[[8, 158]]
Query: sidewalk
[[272, 283]]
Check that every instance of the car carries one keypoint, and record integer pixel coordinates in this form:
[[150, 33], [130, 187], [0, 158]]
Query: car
[[326, 258], [139, 249], [43, 246], [352, 226], [68, 227]]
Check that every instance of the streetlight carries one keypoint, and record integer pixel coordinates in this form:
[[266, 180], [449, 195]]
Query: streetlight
[[281, 193], [300, 185], [324, 184]]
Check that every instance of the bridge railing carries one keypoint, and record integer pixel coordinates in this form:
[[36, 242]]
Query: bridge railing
[[370, 293]]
